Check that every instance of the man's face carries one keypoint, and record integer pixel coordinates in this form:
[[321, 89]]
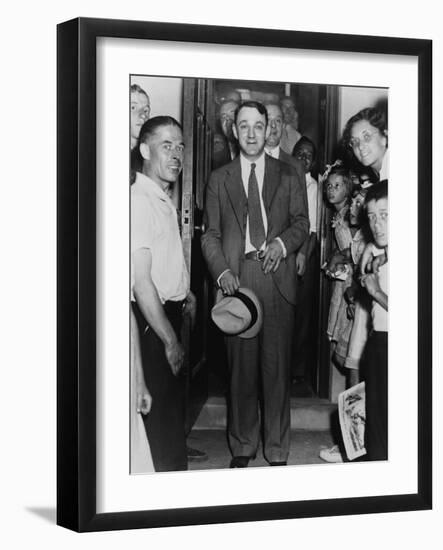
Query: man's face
[[377, 212], [251, 132], [275, 122], [140, 111], [305, 153], [164, 152], [227, 112], [288, 110]]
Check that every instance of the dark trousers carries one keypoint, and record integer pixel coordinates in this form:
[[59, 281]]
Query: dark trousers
[[261, 363], [305, 333], [375, 374], [165, 423]]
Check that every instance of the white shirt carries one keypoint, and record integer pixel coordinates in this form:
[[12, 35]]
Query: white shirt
[[154, 225], [274, 152], [312, 192], [384, 171], [245, 166], [289, 138], [379, 314]]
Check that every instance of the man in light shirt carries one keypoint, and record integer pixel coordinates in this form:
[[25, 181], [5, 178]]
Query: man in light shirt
[[225, 144], [160, 288], [290, 134], [256, 219], [307, 270], [273, 141], [140, 111]]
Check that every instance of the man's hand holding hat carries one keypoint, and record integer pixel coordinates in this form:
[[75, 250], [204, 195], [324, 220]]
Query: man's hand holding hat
[[229, 283]]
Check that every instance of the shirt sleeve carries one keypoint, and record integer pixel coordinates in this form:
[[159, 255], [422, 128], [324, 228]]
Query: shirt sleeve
[[312, 205], [142, 225]]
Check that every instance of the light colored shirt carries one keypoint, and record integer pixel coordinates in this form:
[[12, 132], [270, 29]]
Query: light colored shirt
[[274, 152], [312, 192], [379, 314], [384, 171], [245, 166], [289, 138], [154, 225]]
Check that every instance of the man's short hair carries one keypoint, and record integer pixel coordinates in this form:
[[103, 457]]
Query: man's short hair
[[304, 140], [150, 126], [254, 105], [286, 98], [377, 191], [136, 89]]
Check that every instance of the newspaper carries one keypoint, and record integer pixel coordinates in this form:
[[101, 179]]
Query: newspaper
[[352, 414]]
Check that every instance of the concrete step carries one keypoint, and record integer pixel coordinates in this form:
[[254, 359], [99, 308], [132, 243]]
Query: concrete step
[[307, 413]]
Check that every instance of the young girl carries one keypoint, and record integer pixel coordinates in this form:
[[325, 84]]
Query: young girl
[[353, 339], [338, 192], [348, 326]]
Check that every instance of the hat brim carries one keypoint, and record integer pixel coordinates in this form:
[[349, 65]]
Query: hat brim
[[252, 330], [256, 327]]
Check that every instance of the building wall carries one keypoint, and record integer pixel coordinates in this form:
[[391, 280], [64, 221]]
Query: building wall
[[353, 99]]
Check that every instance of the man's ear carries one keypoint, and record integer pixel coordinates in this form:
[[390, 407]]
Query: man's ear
[[144, 151], [234, 131], [268, 131]]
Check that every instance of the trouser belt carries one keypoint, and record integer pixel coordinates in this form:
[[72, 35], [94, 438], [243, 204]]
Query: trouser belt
[[256, 255]]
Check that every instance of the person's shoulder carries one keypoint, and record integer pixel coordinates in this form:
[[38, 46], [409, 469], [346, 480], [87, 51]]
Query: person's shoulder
[[286, 157], [225, 169], [287, 168], [289, 160], [141, 199]]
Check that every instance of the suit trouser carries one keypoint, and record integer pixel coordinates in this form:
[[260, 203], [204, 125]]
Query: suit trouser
[[307, 306], [165, 423], [375, 374], [261, 363]]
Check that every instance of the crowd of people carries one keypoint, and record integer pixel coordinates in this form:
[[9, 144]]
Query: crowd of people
[[260, 245]]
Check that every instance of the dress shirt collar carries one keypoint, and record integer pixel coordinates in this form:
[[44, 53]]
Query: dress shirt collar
[[273, 152], [151, 187], [246, 164]]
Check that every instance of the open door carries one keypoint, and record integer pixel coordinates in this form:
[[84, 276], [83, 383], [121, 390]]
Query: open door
[[198, 138]]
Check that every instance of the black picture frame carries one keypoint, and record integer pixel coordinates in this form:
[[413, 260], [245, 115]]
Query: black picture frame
[[76, 280]]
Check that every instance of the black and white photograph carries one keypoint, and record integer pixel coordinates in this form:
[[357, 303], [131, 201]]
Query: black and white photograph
[[198, 347], [259, 272], [236, 250]]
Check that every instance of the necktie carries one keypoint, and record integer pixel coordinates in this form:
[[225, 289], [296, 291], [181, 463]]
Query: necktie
[[256, 227]]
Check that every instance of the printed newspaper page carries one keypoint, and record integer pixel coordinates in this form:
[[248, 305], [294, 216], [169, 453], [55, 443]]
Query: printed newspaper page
[[352, 414]]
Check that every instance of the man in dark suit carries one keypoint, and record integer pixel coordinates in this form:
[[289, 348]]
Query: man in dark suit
[[306, 259], [256, 218], [225, 146]]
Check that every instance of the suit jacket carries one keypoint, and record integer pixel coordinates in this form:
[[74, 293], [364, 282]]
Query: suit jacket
[[284, 196], [223, 155], [297, 164], [292, 161]]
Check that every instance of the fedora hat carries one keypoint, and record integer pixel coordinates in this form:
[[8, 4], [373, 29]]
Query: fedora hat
[[240, 314]]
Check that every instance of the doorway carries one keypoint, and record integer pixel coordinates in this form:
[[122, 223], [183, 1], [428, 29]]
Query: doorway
[[202, 98]]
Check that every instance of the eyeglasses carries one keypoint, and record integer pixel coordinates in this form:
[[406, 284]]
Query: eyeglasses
[[366, 138]]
